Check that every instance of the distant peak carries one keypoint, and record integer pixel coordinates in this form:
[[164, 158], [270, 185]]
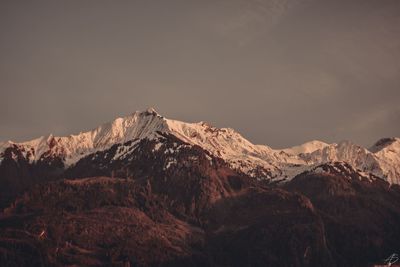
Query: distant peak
[[152, 111], [148, 112], [382, 143], [316, 142]]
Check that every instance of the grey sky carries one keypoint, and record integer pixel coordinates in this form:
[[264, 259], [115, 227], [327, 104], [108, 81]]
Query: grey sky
[[280, 72]]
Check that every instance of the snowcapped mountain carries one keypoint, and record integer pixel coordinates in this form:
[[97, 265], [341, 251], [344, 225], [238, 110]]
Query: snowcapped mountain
[[362, 159], [73, 147], [259, 161], [387, 150]]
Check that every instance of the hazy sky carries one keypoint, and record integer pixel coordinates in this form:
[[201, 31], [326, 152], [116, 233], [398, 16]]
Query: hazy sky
[[280, 72]]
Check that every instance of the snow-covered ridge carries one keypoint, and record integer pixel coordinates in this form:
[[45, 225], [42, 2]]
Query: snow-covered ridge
[[224, 142], [384, 162], [305, 148], [73, 147], [258, 161]]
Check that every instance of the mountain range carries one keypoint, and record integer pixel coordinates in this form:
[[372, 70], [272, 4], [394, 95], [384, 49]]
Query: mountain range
[[145, 190], [259, 161]]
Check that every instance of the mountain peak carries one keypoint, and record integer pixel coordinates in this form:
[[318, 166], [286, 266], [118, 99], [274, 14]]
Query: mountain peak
[[382, 143], [152, 111]]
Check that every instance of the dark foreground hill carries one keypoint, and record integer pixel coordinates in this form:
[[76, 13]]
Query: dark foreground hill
[[218, 219]]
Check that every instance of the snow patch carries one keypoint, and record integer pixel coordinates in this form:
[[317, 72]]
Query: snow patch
[[157, 147]]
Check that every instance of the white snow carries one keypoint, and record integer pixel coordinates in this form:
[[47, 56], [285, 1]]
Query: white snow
[[157, 146], [319, 170], [308, 147], [170, 162], [123, 150]]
